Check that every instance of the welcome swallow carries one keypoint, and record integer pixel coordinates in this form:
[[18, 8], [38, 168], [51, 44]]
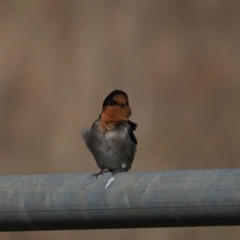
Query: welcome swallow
[[111, 139]]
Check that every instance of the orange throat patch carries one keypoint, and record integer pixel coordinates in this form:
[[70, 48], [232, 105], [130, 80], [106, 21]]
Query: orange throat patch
[[112, 115]]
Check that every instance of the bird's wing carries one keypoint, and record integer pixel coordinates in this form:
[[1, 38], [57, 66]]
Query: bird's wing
[[94, 123], [132, 126]]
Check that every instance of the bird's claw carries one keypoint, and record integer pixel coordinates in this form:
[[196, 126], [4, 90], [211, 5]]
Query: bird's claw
[[103, 170]]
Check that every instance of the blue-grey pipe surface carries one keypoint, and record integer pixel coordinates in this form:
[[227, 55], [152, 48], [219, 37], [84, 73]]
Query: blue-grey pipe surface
[[132, 200]]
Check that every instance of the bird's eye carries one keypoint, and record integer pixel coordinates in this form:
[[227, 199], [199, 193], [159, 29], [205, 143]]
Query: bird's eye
[[113, 102]]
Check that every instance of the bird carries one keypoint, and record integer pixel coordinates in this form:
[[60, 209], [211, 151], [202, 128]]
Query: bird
[[111, 139]]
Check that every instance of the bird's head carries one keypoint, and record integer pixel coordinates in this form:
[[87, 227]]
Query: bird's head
[[115, 108]]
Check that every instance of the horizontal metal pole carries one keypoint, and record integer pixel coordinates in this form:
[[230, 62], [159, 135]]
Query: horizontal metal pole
[[130, 200]]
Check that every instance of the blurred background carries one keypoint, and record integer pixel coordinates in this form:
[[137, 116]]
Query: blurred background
[[177, 60]]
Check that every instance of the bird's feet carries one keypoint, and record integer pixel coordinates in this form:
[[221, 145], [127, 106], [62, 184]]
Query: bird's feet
[[102, 171]]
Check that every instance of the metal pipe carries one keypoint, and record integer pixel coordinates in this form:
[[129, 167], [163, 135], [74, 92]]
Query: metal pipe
[[128, 200]]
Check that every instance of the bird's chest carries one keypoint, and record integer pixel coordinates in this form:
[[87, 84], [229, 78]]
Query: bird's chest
[[111, 141], [115, 137]]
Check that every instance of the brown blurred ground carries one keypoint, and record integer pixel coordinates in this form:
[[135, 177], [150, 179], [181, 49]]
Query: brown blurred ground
[[179, 62]]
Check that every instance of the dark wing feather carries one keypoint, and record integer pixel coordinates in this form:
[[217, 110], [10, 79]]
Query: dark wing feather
[[132, 126], [94, 123]]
